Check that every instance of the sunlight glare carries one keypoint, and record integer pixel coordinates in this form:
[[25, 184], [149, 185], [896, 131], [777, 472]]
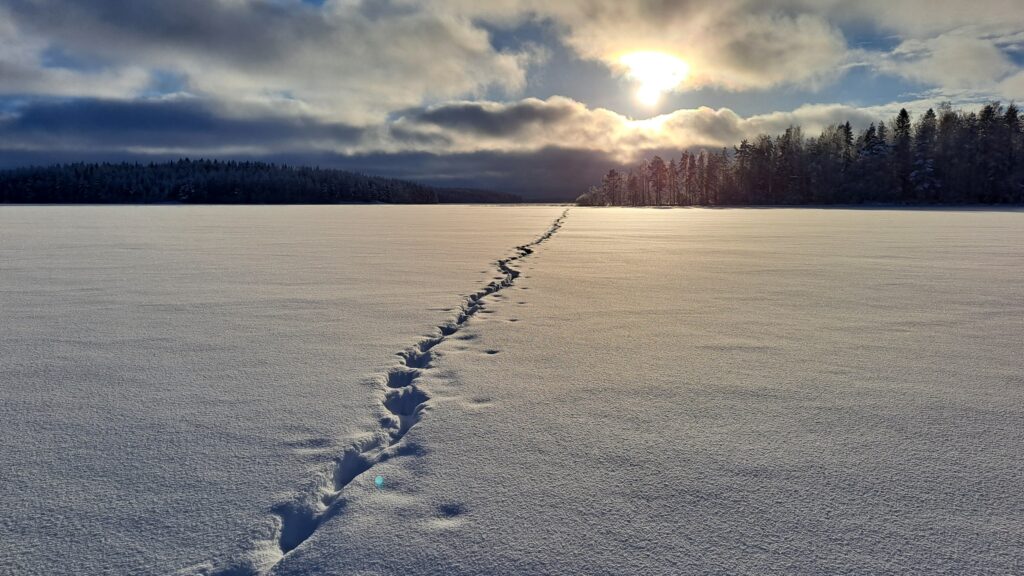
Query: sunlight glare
[[656, 72]]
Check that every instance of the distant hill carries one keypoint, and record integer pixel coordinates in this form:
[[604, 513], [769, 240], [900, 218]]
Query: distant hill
[[219, 182]]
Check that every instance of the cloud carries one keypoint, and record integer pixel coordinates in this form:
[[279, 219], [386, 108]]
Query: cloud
[[948, 45], [494, 119], [192, 126], [927, 18], [532, 124], [953, 61], [553, 173], [746, 45], [23, 71], [357, 61], [732, 44], [350, 61], [184, 125], [1013, 87]]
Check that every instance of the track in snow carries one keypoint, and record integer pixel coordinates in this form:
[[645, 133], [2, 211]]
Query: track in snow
[[404, 403]]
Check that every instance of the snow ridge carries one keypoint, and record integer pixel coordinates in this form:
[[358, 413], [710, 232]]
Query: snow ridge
[[403, 403]]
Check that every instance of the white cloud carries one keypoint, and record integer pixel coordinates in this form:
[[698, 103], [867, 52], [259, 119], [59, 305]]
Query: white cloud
[[1012, 88], [928, 18], [734, 44], [341, 61], [22, 71], [361, 62], [760, 44], [951, 60], [532, 124]]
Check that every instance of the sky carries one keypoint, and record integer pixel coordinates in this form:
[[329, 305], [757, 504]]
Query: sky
[[528, 96]]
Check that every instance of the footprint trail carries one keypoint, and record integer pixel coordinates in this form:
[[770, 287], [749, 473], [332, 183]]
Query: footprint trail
[[404, 402]]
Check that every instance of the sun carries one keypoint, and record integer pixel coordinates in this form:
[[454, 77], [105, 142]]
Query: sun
[[656, 73]]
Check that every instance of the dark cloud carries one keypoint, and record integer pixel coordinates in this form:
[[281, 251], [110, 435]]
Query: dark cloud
[[173, 123], [549, 174], [237, 31], [411, 136], [490, 120], [348, 61]]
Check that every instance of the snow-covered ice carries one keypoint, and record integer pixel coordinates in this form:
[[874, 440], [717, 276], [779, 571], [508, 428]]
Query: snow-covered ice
[[644, 391], [719, 392], [170, 374]]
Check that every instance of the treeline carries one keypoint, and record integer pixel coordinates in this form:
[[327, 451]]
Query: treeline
[[217, 182], [949, 157]]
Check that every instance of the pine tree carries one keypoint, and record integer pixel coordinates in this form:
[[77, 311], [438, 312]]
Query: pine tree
[[659, 179], [671, 193], [902, 159], [612, 188], [692, 180], [633, 188], [923, 178]]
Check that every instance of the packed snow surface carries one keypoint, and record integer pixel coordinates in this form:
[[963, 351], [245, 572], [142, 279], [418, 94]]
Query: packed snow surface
[[170, 375], [459, 390], [717, 392]]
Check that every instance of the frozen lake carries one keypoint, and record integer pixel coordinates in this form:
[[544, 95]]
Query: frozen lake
[[775, 391], [168, 374]]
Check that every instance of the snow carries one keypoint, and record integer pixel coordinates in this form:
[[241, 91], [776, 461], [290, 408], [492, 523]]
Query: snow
[[718, 392], [638, 391], [170, 374]]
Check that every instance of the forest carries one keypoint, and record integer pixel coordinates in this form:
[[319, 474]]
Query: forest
[[217, 182], [945, 157]]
